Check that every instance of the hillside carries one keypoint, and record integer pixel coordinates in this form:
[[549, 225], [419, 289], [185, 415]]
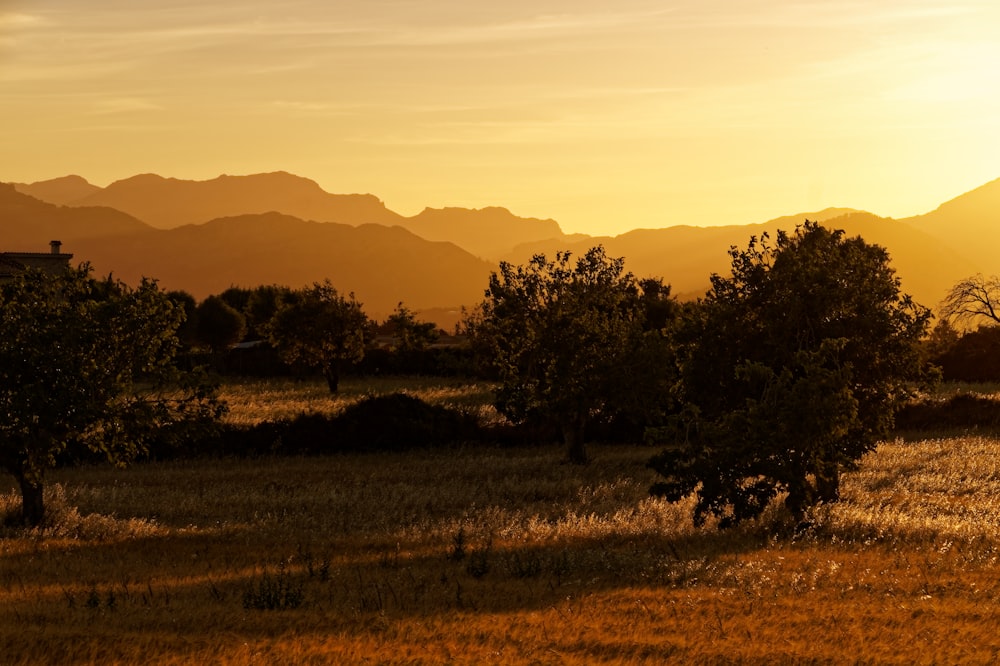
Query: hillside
[[969, 223], [381, 265], [27, 224]]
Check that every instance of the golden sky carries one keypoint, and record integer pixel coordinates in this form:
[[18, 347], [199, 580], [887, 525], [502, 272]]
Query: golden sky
[[606, 116]]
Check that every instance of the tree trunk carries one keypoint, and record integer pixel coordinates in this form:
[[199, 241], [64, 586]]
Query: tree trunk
[[799, 499], [332, 375], [32, 504], [576, 446], [828, 483]]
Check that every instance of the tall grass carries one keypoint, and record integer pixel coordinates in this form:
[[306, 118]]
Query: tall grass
[[252, 401], [501, 556]]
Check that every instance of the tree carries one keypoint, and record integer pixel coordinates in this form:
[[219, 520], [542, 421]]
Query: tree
[[792, 370], [557, 335], [87, 365], [973, 298], [410, 334], [321, 329], [261, 304], [187, 332], [219, 325]]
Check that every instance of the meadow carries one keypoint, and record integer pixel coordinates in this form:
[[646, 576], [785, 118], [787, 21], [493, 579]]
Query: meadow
[[483, 555]]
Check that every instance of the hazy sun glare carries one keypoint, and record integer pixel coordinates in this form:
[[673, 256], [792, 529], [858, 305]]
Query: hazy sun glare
[[606, 118]]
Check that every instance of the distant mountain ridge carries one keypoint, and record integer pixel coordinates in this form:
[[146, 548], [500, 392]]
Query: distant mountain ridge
[[382, 265], [249, 230], [167, 203], [63, 191]]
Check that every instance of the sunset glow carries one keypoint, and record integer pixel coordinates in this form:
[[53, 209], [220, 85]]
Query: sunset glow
[[603, 116]]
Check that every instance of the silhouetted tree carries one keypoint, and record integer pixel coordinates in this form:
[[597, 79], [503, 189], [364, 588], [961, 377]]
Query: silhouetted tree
[[792, 370], [220, 326], [261, 304], [971, 357], [321, 329], [411, 335], [557, 334], [87, 365], [187, 332], [972, 299]]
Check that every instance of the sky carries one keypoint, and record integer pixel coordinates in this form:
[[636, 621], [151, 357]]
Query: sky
[[604, 116]]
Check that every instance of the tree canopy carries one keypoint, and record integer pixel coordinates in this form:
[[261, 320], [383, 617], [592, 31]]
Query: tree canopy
[[219, 325], [791, 370], [87, 365], [557, 334], [321, 329]]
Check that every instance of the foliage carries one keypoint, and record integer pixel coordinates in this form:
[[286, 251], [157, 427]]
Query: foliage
[[321, 329], [409, 334], [973, 356], [87, 365], [558, 335], [187, 332], [792, 369], [219, 325], [962, 411], [257, 305]]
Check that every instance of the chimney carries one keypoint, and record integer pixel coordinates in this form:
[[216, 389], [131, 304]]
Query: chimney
[[55, 245]]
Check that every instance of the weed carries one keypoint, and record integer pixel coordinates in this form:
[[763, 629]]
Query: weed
[[478, 564], [458, 545], [277, 592]]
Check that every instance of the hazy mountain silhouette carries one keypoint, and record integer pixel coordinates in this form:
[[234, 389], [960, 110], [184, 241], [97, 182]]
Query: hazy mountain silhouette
[[28, 224], [970, 224], [686, 256], [60, 191], [166, 203], [233, 237], [488, 232], [381, 265]]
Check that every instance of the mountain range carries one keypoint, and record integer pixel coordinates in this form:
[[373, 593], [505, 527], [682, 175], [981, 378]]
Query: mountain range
[[277, 228]]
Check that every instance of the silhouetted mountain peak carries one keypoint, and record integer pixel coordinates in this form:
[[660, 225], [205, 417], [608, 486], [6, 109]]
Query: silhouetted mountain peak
[[171, 202], [60, 191], [489, 232], [982, 200]]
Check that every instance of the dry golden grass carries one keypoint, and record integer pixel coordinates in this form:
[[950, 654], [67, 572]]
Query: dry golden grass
[[485, 556], [252, 401]]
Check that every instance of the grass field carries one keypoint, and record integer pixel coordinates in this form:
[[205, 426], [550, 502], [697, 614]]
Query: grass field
[[495, 556]]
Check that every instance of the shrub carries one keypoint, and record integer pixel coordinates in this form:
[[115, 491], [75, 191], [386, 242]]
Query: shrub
[[399, 421], [959, 411]]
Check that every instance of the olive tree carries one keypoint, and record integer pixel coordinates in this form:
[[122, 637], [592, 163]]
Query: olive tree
[[87, 365], [791, 370], [321, 329], [557, 334]]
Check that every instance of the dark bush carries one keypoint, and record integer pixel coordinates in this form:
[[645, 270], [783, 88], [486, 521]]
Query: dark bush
[[394, 422], [974, 357], [398, 421], [960, 411]]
